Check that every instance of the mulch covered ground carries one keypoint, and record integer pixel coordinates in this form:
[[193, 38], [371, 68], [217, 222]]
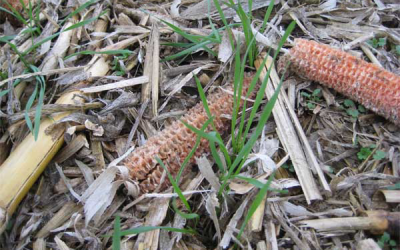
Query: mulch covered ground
[[337, 160]]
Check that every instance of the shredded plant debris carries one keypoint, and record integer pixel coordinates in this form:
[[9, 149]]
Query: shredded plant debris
[[199, 124]]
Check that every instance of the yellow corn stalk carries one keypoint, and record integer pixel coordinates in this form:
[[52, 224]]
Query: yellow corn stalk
[[29, 159]]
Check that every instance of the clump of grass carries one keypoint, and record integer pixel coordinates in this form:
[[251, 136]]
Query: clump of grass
[[240, 144], [198, 41]]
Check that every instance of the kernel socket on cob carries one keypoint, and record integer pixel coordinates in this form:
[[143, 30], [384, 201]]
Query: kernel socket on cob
[[175, 142], [366, 83]]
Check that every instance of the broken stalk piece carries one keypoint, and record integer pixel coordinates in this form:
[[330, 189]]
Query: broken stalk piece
[[25, 164], [375, 221]]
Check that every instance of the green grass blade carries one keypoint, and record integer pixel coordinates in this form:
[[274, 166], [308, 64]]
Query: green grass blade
[[6, 39], [250, 5], [30, 30], [203, 134], [84, 22], [252, 85], [204, 101], [240, 65], [263, 119], [190, 155], [24, 8], [37, 15], [5, 92], [116, 238], [15, 13], [260, 94], [212, 138], [193, 38], [243, 154], [34, 46], [79, 9], [259, 184], [236, 101], [267, 15], [174, 185], [220, 12], [239, 95], [7, 11], [214, 30], [28, 10], [77, 25], [29, 106], [144, 229], [38, 113], [196, 45], [252, 181], [188, 51], [107, 52], [242, 136], [40, 87], [248, 33], [257, 201], [216, 157], [225, 22], [207, 109], [20, 55], [187, 216], [179, 45]]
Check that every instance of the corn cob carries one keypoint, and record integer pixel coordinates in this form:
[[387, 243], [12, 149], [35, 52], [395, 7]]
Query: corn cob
[[175, 142], [366, 83], [17, 6]]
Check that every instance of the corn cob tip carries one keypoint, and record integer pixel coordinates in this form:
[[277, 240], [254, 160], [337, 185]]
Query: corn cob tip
[[372, 86]]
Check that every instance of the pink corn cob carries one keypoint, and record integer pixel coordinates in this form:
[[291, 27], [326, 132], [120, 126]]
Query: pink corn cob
[[366, 83], [175, 142]]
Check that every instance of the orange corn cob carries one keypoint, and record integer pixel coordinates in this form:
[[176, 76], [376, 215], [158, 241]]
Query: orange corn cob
[[366, 83], [175, 142]]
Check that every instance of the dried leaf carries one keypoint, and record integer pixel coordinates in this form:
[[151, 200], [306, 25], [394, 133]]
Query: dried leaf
[[98, 130], [208, 173], [211, 204]]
